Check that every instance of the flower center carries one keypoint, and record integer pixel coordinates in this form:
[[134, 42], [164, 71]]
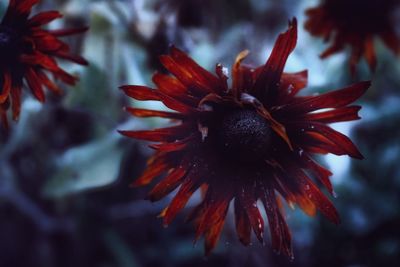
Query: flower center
[[7, 39], [245, 135], [10, 46]]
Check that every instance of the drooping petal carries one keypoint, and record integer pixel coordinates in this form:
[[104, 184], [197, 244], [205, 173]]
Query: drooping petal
[[6, 87], [243, 227], [249, 202], [280, 234]]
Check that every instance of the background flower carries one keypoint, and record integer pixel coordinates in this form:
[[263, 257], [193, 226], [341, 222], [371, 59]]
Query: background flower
[[28, 53]]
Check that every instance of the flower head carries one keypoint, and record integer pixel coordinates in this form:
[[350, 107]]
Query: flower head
[[355, 23], [28, 52], [250, 141]]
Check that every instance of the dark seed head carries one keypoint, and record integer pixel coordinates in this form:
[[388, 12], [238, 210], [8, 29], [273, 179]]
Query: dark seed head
[[9, 45], [244, 135]]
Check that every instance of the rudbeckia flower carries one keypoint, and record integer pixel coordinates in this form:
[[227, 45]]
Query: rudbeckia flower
[[250, 142], [28, 53], [355, 23]]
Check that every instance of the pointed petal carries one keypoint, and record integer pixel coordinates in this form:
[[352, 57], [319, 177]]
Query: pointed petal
[[44, 18], [168, 134], [335, 115], [267, 83], [335, 99], [6, 87], [188, 187], [156, 165], [34, 84], [280, 234], [243, 227], [168, 184], [145, 113], [249, 202], [204, 77], [335, 137]]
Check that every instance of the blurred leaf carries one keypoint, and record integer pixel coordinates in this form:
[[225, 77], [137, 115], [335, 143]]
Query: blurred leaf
[[86, 167]]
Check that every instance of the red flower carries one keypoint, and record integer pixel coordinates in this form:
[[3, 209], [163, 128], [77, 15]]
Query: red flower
[[27, 52], [355, 23], [248, 142]]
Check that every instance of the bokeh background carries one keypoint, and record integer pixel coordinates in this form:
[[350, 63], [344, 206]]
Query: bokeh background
[[65, 172]]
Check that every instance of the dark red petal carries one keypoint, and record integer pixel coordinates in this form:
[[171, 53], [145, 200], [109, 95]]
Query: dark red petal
[[43, 18], [188, 187], [198, 73], [335, 99], [294, 81], [48, 83], [249, 204], [6, 87], [74, 58], [280, 234], [336, 47], [146, 93], [40, 59], [172, 87], [314, 142], [322, 203], [145, 113], [65, 77], [168, 184], [177, 145], [168, 134], [320, 172], [35, 85], [243, 227], [16, 91], [369, 52], [212, 235], [141, 92], [335, 137], [66, 32], [335, 115], [156, 165], [267, 83]]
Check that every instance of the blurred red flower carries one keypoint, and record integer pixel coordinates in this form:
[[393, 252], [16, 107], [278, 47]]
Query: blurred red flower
[[251, 141], [28, 53], [355, 23]]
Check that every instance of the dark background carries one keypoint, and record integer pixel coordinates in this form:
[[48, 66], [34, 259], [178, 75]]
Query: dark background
[[64, 171]]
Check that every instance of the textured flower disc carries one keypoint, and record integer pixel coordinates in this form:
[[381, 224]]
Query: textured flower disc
[[28, 53], [355, 23], [250, 141]]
